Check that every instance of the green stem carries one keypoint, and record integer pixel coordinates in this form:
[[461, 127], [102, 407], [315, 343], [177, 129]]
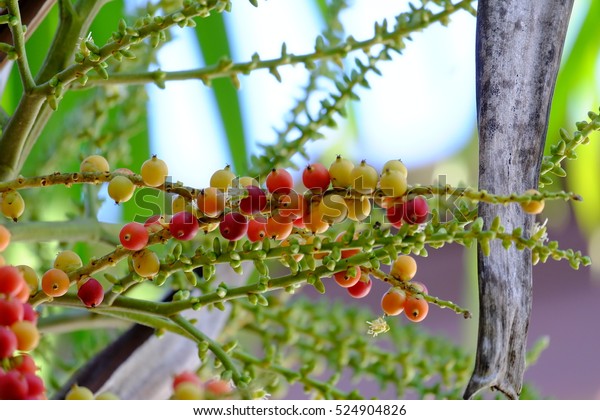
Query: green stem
[[74, 230], [213, 346], [19, 43], [75, 321]]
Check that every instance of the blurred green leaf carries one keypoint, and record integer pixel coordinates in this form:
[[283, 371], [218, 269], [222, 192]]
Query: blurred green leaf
[[212, 36]]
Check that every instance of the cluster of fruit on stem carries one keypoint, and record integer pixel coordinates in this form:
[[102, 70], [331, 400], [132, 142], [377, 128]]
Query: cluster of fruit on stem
[[239, 207]]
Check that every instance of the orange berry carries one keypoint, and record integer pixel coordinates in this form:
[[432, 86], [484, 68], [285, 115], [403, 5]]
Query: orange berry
[[345, 279], [393, 301], [416, 308], [55, 282], [533, 206], [404, 268], [27, 334]]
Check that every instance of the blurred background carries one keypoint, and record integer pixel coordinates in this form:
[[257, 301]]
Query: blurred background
[[421, 110]]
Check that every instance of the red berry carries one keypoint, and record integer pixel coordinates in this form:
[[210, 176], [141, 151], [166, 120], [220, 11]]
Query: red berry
[[184, 226], [316, 178], [416, 211], [186, 376], [24, 363], [153, 223], [11, 311], [13, 386], [234, 226], [361, 288], [395, 214], [279, 181], [35, 386], [257, 229], [255, 202], [8, 343], [91, 293], [11, 280], [134, 236]]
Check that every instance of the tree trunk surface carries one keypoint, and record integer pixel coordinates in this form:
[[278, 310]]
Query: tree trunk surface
[[518, 49]]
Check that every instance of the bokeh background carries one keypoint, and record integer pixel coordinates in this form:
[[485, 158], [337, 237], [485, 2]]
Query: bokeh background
[[421, 110]]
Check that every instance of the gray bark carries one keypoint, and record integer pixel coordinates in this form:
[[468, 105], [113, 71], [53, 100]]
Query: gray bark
[[519, 45]]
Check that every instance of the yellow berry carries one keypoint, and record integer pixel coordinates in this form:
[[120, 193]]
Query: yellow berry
[[27, 334], [79, 393], [146, 263], [404, 268], [31, 277], [358, 208], [395, 165], [94, 163], [364, 178], [107, 396], [187, 391], [222, 179], [67, 261], [179, 204], [12, 204], [120, 189], [393, 183], [533, 206], [333, 208], [154, 171], [340, 172]]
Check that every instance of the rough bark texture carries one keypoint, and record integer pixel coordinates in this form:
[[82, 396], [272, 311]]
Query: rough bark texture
[[519, 45]]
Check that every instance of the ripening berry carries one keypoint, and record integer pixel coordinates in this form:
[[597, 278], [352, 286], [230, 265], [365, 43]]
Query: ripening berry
[[4, 238], [13, 386], [154, 172], [184, 226], [79, 393], [187, 391], [279, 181], [416, 211], [254, 202], [393, 301], [257, 229], [314, 220], [55, 282], [533, 206], [120, 189], [333, 208], [364, 178], [146, 263], [279, 228], [94, 163], [358, 208], [186, 376], [11, 280], [31, 277], [395, 165], [133, 236], [68, 261], [340, 173], [346, 279], [361, 288], [217, 387], [222, 179], [404, 268], [234, 226], [11, 311], [211, 202], [12, 205], [27, 334], [91, 293], [8, 343], [23, 294], [416, 308], [393, 183], [316, 178]]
